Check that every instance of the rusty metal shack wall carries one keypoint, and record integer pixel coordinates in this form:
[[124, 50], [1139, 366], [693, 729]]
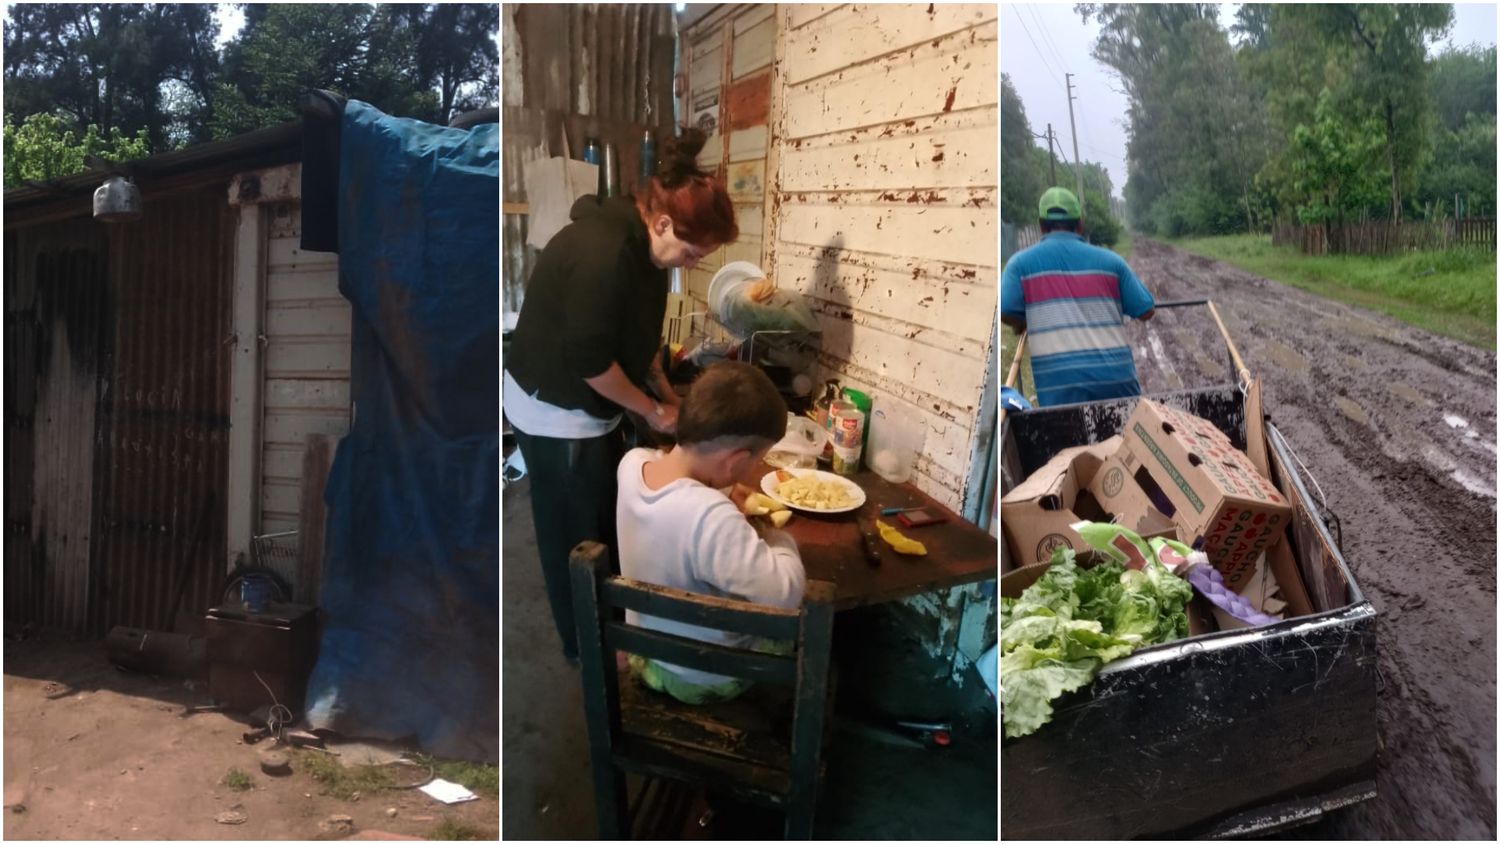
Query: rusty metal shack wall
[[576, 71], [116, 412], [727, 67]]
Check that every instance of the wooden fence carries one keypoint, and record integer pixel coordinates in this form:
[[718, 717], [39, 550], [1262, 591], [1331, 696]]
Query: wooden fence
[[1384, 237]]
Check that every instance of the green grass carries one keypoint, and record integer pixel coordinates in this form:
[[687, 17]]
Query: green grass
[[1449, 292], [341, 782], [1124, 245], [475, 776], [451, 830], [238, 780]]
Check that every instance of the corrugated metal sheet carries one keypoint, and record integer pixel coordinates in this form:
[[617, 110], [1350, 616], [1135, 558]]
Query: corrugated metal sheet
[[116, 416], [306, 365], [578, 71], [164, 441], [883, 207], [56, 292], [728, 58]]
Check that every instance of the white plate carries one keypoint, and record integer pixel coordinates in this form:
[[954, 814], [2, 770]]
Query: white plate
[[769, 483]]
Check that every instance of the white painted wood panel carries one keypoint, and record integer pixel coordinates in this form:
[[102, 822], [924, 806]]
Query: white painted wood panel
[[918, 232], [882, 188], [306, 390], [800, 15], [857, 33], [939, 157], [753, 44], [956, 76]]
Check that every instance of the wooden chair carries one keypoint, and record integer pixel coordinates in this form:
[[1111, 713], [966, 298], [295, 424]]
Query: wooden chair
[[734, 748]]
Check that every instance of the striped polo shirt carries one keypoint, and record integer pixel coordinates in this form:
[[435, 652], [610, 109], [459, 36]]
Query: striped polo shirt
[[1074, 298]]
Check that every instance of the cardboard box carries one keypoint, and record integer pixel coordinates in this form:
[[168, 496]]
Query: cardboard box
[[1217, 499], [1036, 514]]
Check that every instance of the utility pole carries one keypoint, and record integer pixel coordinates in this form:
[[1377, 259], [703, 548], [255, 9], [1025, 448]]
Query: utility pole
[[1051, 156], [1077, 163]]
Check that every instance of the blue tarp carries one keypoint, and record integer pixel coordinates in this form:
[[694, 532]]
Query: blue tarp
[[411, 568]]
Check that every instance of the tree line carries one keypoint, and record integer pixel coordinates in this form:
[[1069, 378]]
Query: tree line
[[1310, 114], [1027, 171], [122, 80]]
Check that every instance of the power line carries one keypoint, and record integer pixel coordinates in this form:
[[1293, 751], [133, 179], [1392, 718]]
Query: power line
[[1038, 50], [1047, 38]]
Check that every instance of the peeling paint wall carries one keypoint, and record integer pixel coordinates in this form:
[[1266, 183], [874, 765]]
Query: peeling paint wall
[[883, 208]]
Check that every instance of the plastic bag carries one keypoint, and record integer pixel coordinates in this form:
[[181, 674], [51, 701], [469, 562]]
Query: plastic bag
[[800, 448], [730, 296]]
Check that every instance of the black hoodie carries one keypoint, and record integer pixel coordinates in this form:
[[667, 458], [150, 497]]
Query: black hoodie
[[594, 299]]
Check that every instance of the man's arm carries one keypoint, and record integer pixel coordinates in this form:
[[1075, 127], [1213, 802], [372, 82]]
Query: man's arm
[[1147, 315]]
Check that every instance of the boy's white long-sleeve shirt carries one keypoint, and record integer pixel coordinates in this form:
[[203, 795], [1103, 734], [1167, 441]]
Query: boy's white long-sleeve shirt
[[690, 536]]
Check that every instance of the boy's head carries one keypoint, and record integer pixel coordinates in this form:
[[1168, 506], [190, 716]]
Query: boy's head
[[731, 417]]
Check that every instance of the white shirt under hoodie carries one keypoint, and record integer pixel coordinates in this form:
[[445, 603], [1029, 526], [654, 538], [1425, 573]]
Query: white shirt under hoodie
[[692, 537]]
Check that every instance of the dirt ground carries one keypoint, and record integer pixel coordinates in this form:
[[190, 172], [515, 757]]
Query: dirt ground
[[116, 759], [1398, 427]]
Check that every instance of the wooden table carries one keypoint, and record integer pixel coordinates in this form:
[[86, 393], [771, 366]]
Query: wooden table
[[958, 552]]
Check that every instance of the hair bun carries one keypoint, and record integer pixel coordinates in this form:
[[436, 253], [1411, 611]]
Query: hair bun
[[679, 157]]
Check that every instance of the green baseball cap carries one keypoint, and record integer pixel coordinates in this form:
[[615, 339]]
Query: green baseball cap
[[1059, 204]]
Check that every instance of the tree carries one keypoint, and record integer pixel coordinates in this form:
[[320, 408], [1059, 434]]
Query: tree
[[1388, 72], [1197, 134], [105, 65], [43, 147], [1021, 183], [1337, 163], [455, 52]]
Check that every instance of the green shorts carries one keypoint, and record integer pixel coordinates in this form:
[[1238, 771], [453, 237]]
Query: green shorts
[[663, 680]]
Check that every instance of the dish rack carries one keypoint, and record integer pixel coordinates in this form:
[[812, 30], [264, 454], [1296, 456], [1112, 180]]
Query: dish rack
[[706, 326]]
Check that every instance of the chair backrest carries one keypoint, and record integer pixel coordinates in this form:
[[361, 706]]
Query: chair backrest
[[597, 593]]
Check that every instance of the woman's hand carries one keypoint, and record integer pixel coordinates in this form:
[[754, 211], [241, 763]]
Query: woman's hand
[[664, 422]]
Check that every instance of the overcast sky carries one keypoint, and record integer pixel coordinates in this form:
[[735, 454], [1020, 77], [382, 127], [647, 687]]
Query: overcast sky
[[1041, 42]]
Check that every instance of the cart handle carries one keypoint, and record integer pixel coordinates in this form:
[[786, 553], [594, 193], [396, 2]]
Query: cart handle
[[1241, 371]]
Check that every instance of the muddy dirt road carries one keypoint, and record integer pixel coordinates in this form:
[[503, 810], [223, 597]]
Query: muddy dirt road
[[1398, 427]]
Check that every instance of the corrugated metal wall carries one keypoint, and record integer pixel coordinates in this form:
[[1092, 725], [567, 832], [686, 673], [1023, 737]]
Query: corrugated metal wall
[[162, 529], [306, 364], [120, 357], [728, 55], [56, 302], [577, 71], [884, 207]]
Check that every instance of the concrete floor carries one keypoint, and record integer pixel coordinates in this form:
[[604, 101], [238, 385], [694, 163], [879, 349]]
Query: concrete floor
[[876, 788]]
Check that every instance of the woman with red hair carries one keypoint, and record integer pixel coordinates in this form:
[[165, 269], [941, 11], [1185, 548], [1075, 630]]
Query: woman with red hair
[[587, 346]]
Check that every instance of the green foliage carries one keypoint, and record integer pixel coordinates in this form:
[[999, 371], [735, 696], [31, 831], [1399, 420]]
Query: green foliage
[[1321, 111], [125, 68], [1336, 164], [237, 780], [341, 782], [1100, 226], [45, 147], [1463, 83], [1462, 166], [1450, 292], [1021, 183]]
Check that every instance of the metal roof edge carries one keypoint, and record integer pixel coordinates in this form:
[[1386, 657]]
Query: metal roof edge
[[260, 148]]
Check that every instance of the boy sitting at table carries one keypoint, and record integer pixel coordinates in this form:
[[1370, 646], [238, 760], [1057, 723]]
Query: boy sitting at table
[[677, 529]]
